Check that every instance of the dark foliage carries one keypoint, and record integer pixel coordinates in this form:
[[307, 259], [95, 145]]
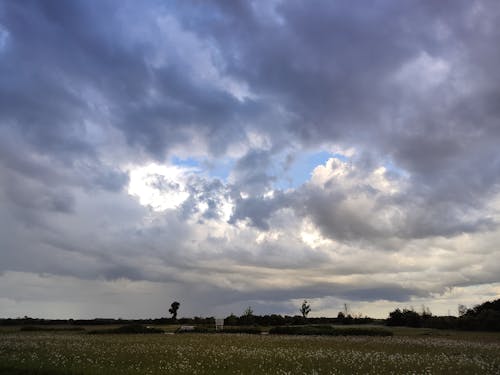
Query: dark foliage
[[174, 307], [128, 329], [248, 330], [441, 322], [204, 329], [326, 330], [231, 320], [50, 329], [483, 317], [277, 320], [197, 329], [305, 309], [408, 318]]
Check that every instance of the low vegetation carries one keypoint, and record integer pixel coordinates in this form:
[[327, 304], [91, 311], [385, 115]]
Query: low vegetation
[[128, 354], [204, 329], [328, 330], [127, 329], [483, 317], [50, 329]]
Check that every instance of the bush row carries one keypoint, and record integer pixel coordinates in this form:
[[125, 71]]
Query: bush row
[[131, 328], [231, 320], [201, 329], [50, 329], [484, 317], [326, 330]]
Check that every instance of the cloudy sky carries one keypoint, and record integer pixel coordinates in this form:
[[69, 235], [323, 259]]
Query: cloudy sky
[[234, 153]]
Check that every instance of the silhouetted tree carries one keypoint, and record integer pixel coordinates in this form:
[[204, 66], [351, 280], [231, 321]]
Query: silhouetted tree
[[247, 318], [231, 320], [426, 312], [346, 309], [248, 311], [409, 318], [462, 310], [305, 309], [173, 309], [485, 316]]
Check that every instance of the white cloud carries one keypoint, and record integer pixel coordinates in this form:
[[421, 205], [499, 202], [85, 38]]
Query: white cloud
[[158, 186], [312, 237]]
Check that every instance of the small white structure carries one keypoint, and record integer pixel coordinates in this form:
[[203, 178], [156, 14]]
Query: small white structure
[[186, 328], [219, 324]]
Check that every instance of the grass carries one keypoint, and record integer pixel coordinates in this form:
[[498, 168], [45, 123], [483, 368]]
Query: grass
[[79, 353]]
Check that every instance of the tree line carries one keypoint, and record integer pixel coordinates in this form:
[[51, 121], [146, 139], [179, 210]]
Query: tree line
[[483, 317]]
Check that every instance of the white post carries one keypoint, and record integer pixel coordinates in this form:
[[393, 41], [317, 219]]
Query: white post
[[219, 324]]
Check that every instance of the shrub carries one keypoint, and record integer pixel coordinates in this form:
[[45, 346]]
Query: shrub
[[484, 317], [128, 329], [196, 329], [50, 329], [201, 329], [249, 330], [408, 318], [329, 331]]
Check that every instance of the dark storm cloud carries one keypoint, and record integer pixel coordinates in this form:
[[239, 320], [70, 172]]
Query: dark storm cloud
[[184, 106], [327, 64], [45, 70], [333, 67], [36, 96], [77, 64], [258, 209], [330, 66], [324, 62]]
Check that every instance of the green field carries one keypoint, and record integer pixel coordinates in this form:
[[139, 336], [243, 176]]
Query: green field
[[410, 351]]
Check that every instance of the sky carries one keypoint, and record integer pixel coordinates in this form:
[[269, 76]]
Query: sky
[[227, 154]]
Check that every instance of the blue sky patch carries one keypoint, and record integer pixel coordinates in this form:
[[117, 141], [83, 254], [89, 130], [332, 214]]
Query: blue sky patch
[[302, 166]]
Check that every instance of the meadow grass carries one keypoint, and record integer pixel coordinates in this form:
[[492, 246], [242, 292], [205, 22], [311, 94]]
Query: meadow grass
[[80, 353]]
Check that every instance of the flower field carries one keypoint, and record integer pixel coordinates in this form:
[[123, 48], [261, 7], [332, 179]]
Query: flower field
[[80, 353]]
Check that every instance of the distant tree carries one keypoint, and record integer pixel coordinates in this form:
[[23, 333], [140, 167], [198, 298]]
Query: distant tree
[[348, 319], [396, 318], [248, 311], [462, 310], [346, 309], [426, 312], [484, 317], [247, 318], [173, 309], [408, 318], [231, 320], [305, 309], [340, 315]]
